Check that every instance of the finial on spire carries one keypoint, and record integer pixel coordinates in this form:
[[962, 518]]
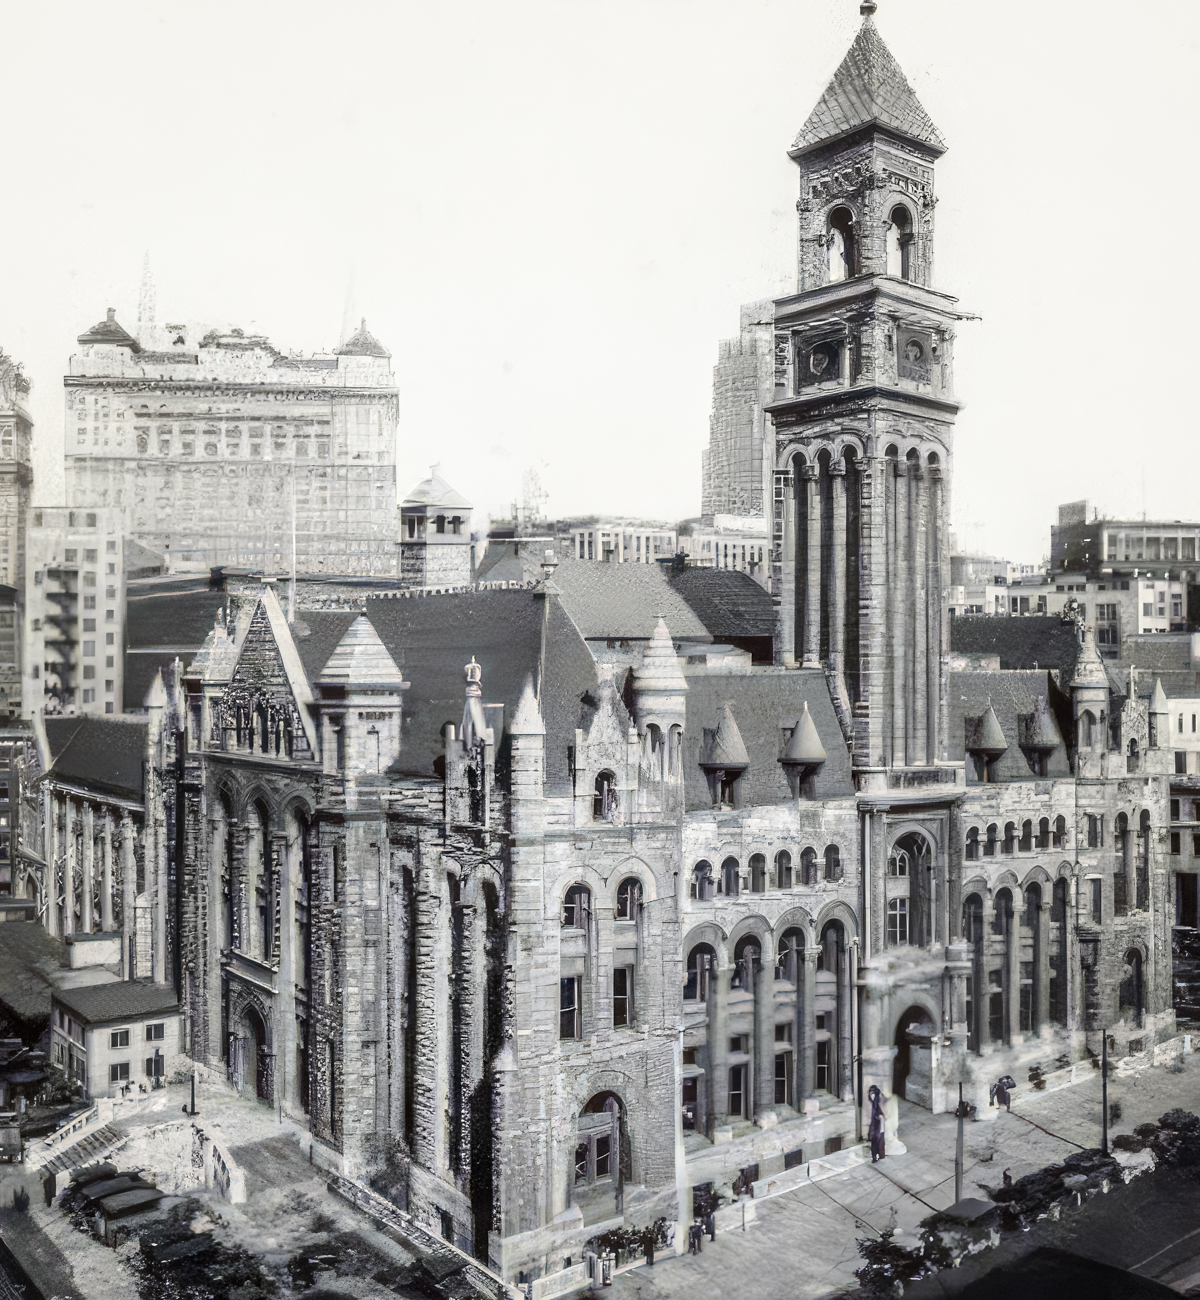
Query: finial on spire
[[867, 8]]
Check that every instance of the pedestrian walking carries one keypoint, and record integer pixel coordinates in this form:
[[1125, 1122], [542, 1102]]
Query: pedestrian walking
[[875, 1128], [1000, 1093], [711, 1225], [695, 1238]]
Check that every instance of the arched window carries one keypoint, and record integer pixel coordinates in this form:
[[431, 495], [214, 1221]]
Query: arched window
[[897, 921], [729, 877], [702, 881], [577, 908], [1131, 988], [783, 869], [973, 844], [440, 523], [1060, 832], [842, 241], [989, 845], [604, 801], [701, 963], [808, 867], [629, 899], [1025, 844], [899, 242], [1008, 843], [1087, 729], [1043, 835], [1121, 842], [747, 959], [758, 873], [898, 863], [833, 863], [1143, 867]]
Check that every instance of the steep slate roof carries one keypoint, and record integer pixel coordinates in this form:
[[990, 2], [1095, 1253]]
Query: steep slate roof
[[161, 625], [98, 1004], [624, 601], [1013, 699], [317, 634], [432, 637], [868, 89], [103, 753], [29, 958], [108, 331], [1034, 641], [729, 604], [763, 701], [502, 564], [362, 343]]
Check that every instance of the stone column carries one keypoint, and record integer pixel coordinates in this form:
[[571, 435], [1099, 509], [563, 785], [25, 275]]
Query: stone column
[[160, 897], [68, 867], [237, 870], [879, 857], [806, 1083], [764, 1033], [106, 877], [919, 713], [50, 849], [1012, 974], [900, 608], [954, 858], [718, 1044], [845, 987], [1041, 961], [128, 874], [812, 586], [935, 663], [88, 871], [787, 570], [837, 575]]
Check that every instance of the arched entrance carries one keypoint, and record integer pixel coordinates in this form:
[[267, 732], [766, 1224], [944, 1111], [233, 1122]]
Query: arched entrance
[[251, 1058], [912, 1066], [602, 1158]]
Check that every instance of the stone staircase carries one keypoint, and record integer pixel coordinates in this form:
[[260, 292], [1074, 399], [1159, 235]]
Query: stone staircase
[[92, 1146]]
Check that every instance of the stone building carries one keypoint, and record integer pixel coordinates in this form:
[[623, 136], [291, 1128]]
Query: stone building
[[435, 535], [225, 451], [16, 484], [550, 914]]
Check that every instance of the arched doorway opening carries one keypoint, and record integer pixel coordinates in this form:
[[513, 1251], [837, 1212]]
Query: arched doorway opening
[[832, 1010], [603, 1158], [912, 1066], [1131, 988], [260, 1063], [910, 891]]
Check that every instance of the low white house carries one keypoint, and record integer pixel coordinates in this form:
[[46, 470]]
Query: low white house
[[108, 1036]]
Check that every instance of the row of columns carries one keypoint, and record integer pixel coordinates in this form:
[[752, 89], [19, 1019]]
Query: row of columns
[[801, 977], [70, 884]]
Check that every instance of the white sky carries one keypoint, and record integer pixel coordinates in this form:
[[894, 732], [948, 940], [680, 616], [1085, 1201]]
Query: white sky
[[550, 213]]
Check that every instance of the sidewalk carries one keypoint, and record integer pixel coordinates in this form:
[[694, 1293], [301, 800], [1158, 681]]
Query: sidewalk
[[802, 1244]]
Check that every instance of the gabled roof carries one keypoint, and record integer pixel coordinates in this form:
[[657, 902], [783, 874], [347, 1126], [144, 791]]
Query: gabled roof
[[1014, 699], [362, 343], [435, 491], [624, 601], [108, 331], [1031, 641], [729, 603], [97, 1004], [102, 753], [868, 89]]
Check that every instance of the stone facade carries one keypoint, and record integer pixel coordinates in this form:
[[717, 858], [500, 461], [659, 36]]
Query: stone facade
[[16, 485], [225, 451]]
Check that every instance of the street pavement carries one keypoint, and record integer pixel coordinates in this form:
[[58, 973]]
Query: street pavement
[[802, 1244]]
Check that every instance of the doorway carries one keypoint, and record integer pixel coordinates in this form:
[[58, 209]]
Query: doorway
[[912, 1066]]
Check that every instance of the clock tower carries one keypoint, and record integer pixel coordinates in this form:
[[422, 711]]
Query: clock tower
[[863, 412]]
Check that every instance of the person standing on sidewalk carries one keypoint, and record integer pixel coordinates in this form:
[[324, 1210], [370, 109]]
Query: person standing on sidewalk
[[875, 1128], [1001, 1092]]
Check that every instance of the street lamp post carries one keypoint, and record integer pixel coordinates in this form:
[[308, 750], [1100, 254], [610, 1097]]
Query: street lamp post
[[961, 1113], [1104, 1092]]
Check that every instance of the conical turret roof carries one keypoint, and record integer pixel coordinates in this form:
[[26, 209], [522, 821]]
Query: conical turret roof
[[804, 748], [1044, 734], [726, 749], [868, 89], [362, 343], [660, 670], [989, 736], [110, 331], [1089, 667], [1158, 701], [527, 721]]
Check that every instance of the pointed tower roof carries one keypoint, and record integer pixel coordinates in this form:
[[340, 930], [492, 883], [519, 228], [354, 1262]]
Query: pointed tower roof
[[1089, 667], [868, 89], [1044, 735], [804, 748], [1158, 701], [435, 491], [362, 343], [527, 721], [660, 671], [108, 331], [989, 736], [726, 748], [361, 658]]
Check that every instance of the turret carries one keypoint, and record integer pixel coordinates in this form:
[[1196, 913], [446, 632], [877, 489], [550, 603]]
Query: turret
[[1160, 718], [1089, 696], [527, 738], [803, 754], [987, 744], [723, 758]]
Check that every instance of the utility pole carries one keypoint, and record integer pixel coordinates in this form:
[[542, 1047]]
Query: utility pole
[[1104, 1092], [961, 1113]]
